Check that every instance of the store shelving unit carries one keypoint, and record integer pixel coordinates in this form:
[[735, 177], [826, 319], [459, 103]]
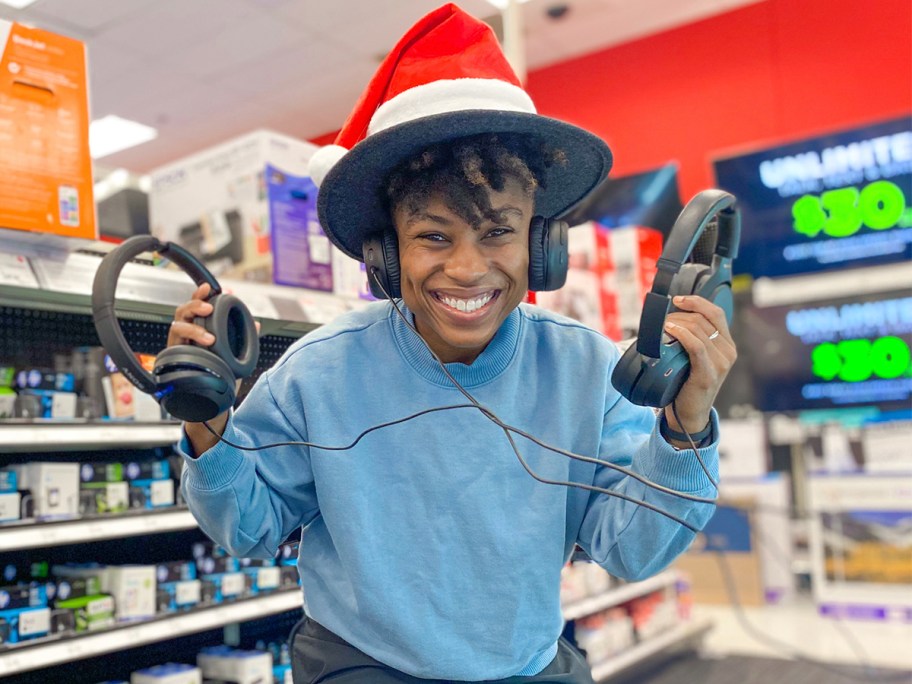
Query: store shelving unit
[[682, 636], [619, 595], [30, 535], [32, 655]]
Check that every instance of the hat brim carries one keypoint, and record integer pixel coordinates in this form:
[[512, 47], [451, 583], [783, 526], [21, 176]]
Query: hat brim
[[351, 202]]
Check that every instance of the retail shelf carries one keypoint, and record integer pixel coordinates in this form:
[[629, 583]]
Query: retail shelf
[[56, 650], [618, 595], [679, 636], [58, 436], [61, 532]]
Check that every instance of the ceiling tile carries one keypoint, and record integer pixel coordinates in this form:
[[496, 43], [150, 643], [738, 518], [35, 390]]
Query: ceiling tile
[[245, 41], [171, 25], [87, 15]]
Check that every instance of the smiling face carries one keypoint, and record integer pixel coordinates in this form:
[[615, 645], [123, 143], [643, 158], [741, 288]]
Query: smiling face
[[460, 279]]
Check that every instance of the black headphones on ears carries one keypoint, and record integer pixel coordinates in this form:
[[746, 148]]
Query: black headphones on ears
[[548, 252], [191, 383], [652, 372]]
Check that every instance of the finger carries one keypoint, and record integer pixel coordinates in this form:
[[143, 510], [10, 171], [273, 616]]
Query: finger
[[713, 313], [202, 292], [705, 358], [183, 332], [697, 321], [192, 309]]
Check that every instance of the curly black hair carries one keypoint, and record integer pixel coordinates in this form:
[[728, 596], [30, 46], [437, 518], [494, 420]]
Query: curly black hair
[[462, 171]]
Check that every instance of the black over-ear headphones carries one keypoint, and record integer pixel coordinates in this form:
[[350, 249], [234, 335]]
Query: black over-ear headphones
[[192, 383], [548, 253], [652, 372]]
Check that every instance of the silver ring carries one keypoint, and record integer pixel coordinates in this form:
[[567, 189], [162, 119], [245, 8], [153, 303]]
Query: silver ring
[[714, 335]]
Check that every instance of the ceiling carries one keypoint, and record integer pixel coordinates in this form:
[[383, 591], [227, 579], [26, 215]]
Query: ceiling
[[203, 71]]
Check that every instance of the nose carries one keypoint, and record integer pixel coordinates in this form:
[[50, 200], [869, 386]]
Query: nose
[[466, 262]]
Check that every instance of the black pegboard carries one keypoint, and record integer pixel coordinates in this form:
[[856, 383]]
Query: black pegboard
[[33, 337]]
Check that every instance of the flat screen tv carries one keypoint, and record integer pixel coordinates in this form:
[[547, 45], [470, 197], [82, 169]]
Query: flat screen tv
[[835, 201]]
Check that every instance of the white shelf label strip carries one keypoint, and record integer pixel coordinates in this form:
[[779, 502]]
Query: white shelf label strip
[[50, 534], [112, 436], [618, 595], [65, 650]]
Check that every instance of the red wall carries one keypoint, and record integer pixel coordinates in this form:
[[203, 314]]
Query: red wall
[[770, 72]]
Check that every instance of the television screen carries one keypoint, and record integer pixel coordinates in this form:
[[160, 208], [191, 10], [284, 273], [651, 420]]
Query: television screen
[[837, 353], [649, 199], [826, 203]]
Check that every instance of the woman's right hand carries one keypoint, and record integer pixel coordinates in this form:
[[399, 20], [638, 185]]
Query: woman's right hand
[[183, 329]]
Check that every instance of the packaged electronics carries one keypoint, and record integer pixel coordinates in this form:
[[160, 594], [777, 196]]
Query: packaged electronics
[[227, 664], [54, 487], [25, 623], [90, 612], [170, 673]]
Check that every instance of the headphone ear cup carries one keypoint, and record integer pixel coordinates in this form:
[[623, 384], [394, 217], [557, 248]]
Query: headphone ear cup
[[391, 258], [381, 257], [192, 383], [548, 254], [236, 341], [627, 371]]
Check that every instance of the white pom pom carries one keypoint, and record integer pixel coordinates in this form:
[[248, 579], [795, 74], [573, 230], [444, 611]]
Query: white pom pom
[[322, 161]]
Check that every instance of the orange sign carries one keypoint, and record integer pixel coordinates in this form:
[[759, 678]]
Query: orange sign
[[45, 166]]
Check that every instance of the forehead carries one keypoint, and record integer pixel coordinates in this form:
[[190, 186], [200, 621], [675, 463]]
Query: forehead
[[513, 200]]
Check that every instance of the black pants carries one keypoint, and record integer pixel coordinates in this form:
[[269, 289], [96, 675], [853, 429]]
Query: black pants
[[320, 656]]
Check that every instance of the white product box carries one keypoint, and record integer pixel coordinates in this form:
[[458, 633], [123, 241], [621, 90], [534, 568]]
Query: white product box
[[238, 667], [10, 503], [215, 203], [54, 487], [172, 673], [133, 588]]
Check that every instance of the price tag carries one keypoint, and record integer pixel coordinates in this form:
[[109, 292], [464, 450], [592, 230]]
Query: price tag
[[15, 270]]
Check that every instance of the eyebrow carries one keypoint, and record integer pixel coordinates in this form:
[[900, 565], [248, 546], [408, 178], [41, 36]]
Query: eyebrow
[[500, 212]]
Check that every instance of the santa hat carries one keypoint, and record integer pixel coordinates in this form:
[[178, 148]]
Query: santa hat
[[446, 78]]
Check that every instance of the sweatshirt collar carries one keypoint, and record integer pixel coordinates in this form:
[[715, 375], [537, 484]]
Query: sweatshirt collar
[[489, 364]]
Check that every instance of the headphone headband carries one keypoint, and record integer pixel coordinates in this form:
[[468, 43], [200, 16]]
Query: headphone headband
[[103, 295], [685, 233]]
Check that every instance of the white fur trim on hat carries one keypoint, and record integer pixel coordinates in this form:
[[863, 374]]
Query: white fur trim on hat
[[322, 161], [450, 95]]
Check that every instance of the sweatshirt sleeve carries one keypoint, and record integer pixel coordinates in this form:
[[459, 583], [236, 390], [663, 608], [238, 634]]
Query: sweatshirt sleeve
[[249, 502], [629, 540]]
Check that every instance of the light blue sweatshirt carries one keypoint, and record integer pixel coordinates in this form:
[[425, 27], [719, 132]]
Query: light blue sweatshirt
[[427, 546]]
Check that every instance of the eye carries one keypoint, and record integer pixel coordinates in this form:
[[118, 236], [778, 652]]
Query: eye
[[499, 231], [432, 237]]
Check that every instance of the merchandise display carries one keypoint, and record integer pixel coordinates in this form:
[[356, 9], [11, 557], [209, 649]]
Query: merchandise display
[[470, 555]]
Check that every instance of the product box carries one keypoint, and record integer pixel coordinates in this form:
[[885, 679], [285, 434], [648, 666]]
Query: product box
[[54, 487], [8, 481], [609, 274], [227, 664], [101, 472], [215, 203], [76, 587], [10, 506], [281, 674], [104, 497], [23, 596], [158, 469], [263, 578], [26, 623], [151, 493], [228, 585], [174, 596], [90, 612], [132, 587], [217, 564], [175, 571], [170, 673], [45, 176]]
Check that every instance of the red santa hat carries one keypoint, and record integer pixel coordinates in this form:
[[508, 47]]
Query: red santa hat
[[446, 78]]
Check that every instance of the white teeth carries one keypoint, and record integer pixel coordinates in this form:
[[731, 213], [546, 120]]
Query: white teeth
[[465, 305]]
